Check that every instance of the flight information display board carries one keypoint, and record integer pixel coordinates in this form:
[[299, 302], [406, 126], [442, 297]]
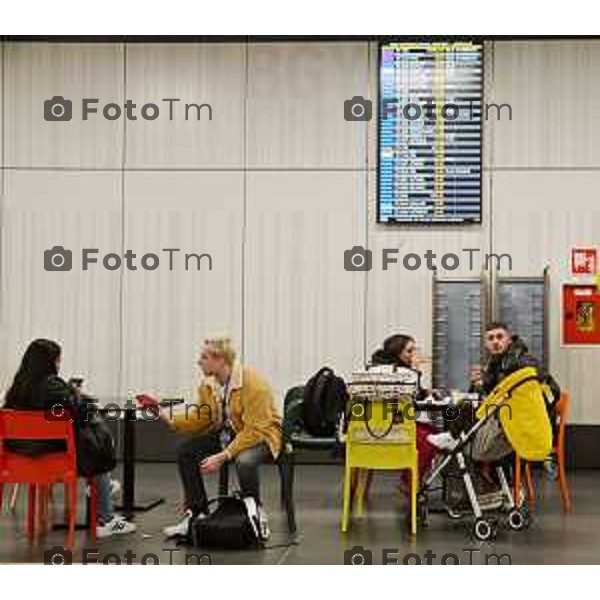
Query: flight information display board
[[430, 132]]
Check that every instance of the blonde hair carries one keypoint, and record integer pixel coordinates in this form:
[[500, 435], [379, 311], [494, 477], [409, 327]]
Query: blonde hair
[[222, 345]]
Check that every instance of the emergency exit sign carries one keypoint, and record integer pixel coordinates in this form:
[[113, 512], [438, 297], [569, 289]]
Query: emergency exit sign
[[584, 261]]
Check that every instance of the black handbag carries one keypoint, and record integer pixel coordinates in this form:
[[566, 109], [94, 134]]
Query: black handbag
[[231, 526], [96, 453]]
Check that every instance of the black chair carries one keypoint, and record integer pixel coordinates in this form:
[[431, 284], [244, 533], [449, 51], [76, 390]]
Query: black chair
[[285, 465]]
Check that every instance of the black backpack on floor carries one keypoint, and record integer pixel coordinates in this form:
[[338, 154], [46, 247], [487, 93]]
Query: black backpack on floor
[[325, 398], [231, 526]]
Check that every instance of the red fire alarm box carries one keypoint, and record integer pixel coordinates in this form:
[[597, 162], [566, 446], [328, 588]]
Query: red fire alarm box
[[581, 314], [584, 261]]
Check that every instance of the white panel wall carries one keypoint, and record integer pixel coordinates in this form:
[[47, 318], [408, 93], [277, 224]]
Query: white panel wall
[[79, 308], [553, 88], [37, 72], [195, 74], [296, 95], [302, 309], [167, 312]]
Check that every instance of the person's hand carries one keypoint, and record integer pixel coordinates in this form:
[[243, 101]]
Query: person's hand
[[213, 463], [476, 375], [437, 395], [151, 405], [76, 386]]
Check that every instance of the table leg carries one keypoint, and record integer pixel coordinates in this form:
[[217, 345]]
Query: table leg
[[129, 505]]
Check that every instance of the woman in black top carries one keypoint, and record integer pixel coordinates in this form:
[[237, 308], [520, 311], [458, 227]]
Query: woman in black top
[[37, 386], [400, 350]]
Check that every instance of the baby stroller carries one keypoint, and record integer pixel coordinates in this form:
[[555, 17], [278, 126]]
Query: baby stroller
[[512, 418]]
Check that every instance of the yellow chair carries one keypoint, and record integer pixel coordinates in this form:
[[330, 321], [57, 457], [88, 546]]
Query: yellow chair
[[381, 434]]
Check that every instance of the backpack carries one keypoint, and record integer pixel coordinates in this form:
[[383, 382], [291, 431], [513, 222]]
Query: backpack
[[325, 398], [232, 526]]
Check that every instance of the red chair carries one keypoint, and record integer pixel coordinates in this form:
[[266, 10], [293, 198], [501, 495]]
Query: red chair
[[43, 471]]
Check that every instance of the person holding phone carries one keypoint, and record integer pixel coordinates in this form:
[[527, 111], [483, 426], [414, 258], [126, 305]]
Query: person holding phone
[[235, 421]]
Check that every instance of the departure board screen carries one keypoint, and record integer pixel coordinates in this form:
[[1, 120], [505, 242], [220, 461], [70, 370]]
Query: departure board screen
[[430, 132]]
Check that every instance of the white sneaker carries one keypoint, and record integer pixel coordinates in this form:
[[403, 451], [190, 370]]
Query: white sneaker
[[117, 525], [263, 524], [181, 528], [442, 441]]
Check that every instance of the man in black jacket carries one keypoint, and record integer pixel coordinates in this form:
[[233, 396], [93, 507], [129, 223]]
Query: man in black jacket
[[507, 353]]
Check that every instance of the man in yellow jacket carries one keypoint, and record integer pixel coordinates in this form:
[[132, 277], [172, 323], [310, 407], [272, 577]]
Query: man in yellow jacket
[[235, 420]]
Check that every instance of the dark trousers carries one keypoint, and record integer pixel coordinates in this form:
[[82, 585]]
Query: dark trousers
[[191, 453]]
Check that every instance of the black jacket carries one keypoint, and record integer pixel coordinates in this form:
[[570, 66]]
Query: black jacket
[[514, 358], [48, 393]]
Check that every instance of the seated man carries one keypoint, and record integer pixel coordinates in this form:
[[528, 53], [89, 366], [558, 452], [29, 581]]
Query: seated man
[[235, 420], [507, 354]]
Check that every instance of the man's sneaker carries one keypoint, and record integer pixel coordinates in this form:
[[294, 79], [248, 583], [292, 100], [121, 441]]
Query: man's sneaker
[[442, 441], [181, 528], [117, 525], [263, 524]]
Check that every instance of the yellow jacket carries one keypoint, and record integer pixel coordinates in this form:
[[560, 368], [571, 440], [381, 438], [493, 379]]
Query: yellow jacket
[[251, 408], [523, 413]]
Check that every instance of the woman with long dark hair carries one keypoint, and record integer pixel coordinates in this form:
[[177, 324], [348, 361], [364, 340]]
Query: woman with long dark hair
[[38, 386], [400, 350]]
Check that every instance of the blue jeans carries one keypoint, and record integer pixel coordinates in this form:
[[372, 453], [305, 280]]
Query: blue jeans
[[105, 503]]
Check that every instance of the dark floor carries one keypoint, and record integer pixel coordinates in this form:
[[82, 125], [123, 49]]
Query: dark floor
[[552, 537]]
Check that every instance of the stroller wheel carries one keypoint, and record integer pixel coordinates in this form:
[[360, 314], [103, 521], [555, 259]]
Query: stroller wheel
[[453, 513], [483, 530], [517, 520]]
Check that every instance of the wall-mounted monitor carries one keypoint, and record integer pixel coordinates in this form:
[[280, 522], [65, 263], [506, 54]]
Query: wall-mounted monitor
[[430, 132]]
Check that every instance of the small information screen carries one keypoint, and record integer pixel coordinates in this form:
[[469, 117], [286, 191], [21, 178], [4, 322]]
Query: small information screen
[[430, 132]]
